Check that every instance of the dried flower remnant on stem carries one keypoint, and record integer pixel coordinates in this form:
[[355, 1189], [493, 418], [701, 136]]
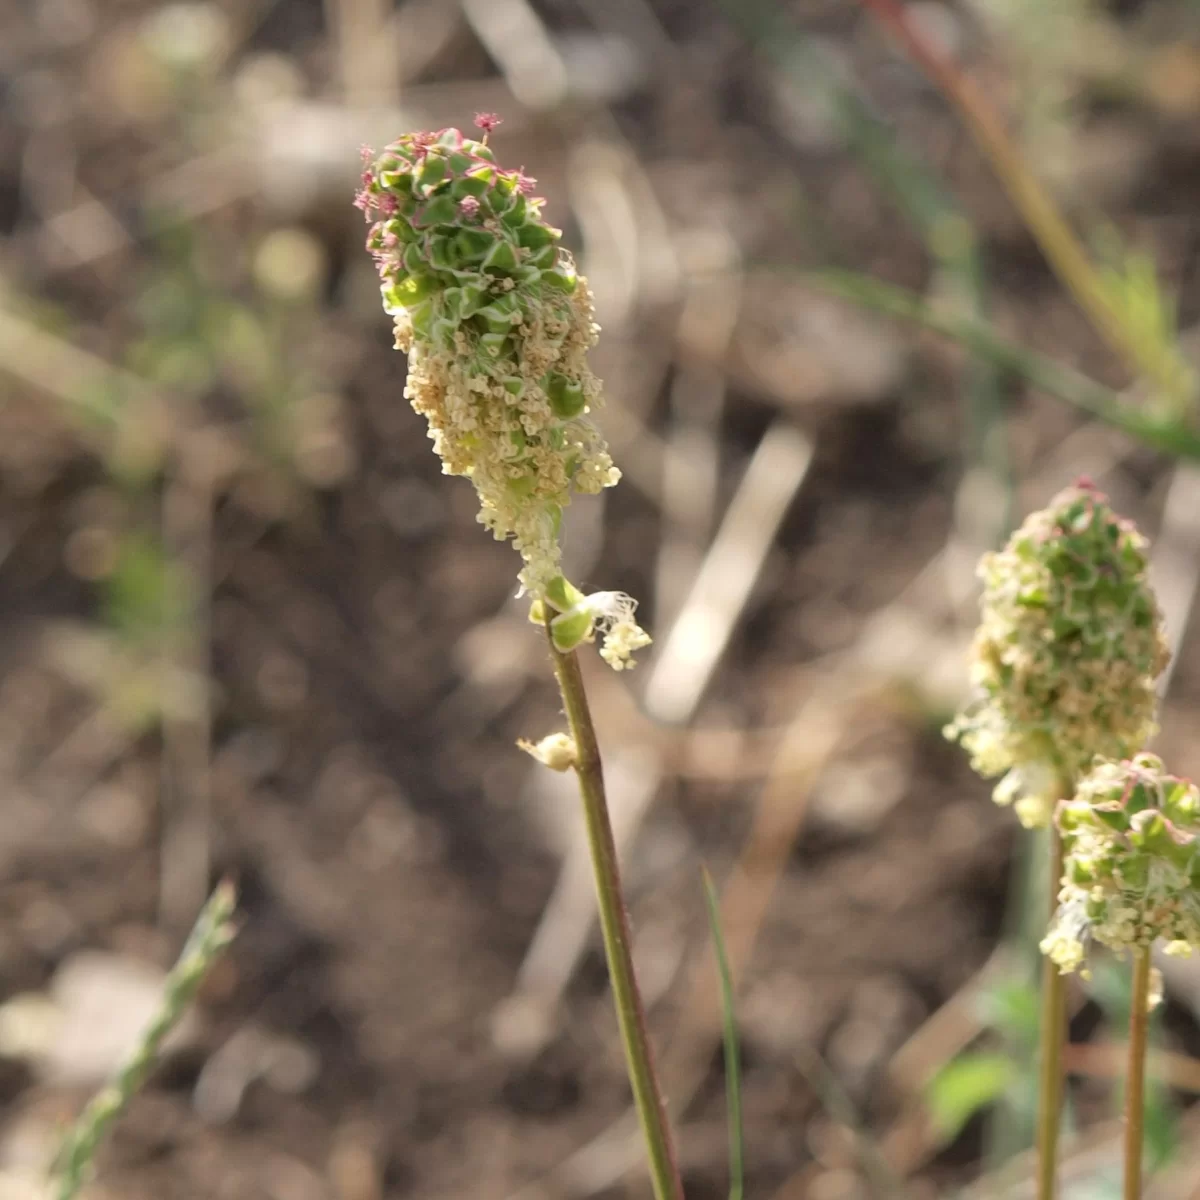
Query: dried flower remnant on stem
[[1131, 837], [1068, 649], [556, 751], [497, 325]]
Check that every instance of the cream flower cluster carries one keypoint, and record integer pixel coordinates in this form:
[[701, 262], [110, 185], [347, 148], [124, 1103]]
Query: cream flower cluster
[[1068, 648], [574, 619]]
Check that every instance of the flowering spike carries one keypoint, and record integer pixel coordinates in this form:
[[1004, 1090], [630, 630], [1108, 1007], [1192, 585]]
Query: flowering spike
[[1068, 648], [1131, 842], [497, 326]]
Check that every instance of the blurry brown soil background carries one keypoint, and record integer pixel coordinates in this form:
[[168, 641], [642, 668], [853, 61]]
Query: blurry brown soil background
[[246, 628]]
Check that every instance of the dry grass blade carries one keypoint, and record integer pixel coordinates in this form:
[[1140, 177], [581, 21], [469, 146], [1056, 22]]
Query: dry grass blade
[[697, 640], [185, 851], [366, 51], [75, 377], [1107, 1061], [517, 40], [1080, 1156], [692, 452]]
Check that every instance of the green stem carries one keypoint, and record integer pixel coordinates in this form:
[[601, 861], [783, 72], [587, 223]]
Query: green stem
[[1053, 1034], [1166, 435], [1135, 1081], [614, 924], [733, 1073]]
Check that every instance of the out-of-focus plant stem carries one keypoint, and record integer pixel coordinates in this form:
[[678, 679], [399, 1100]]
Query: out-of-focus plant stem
[[921, 198], [733, 1073], [1055, 237], [1053, 1035], [1135, 1076], [1167, 435]]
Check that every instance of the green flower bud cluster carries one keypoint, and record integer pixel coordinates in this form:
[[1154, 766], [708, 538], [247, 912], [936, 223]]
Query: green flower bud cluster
[[1131, 840], [462, 246], [1066, 655], [497, 325]]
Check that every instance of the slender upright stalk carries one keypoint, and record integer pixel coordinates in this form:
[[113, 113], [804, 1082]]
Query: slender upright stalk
[[1132, 838], [1053, 1034], [1048, 713], [1135, 1077], [614, 924]]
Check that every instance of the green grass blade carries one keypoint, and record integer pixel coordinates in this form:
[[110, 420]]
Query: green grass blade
[[212, 933], [1170, 437], [733, 1075], [825, 1085]]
